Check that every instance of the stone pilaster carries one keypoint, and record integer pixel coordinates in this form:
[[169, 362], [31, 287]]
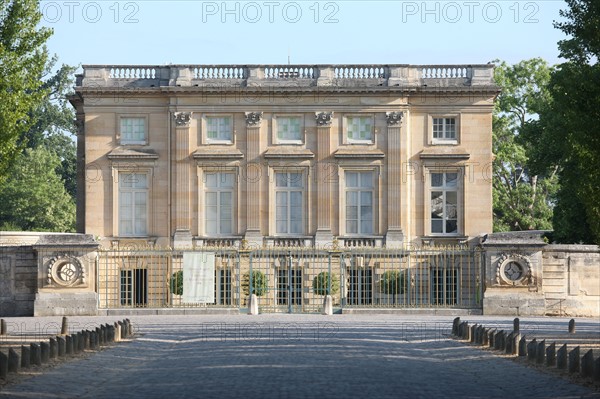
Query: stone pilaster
[[394, 236], [324, 236], [254, 178], [183, 234]]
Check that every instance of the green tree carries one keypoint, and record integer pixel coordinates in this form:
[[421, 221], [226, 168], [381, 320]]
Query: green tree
[[260, 283], [570, 137], [54, 127], [23, 57], [392, 283], [522, 197], [33, 197], [321, 284]]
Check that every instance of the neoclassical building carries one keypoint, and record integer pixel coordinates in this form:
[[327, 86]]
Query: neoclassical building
[[292, 155]]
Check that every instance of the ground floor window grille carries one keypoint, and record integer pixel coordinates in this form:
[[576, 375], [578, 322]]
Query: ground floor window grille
[[289, 286], [134, 284], [360, 287], [444, 286], [223, 287]]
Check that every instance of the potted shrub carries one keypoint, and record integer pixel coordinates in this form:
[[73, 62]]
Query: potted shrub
[[321, 284], [392, 283]]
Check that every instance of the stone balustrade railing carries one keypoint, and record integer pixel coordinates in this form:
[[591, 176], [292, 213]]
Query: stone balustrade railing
[[99, 76]]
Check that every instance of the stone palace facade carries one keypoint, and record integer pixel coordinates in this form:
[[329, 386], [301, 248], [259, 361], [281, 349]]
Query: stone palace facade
[[285, 156]]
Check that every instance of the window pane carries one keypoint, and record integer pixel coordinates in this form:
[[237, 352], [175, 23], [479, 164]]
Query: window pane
[[352, 226], [296, 198], [451, 179], [226, 180], [366, 179], [211, 180], [437, 179], [366, 198], [211, 199], [451, 226], [295, 180], [281, 180], [351, 179], [437, 226], [133, 129], [437, 205], [288, 128]]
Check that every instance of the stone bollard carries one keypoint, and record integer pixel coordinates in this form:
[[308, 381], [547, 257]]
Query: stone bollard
[[69, 345], [561, 357], [36, 354], [253, 305], [478, 335], [75, 339], [551, 355], [498, 340], [597, 369], [574, 360], [491, 336], [3, 365], [45, 348], [531, 348], [587, 364], [118, 331], [124, 329], [110, 333], [64, 330], [485, 337], [86, 340], [572, 326], [466, 331], [53, 353], [25, 356], [13, 361], [508, 348], [472, 333], [540, 352], [129, 332], [455, 324], [327, 306], [2, 327], [81, 340], [522, 350], [62, 346], [516, 325], [93, 340]]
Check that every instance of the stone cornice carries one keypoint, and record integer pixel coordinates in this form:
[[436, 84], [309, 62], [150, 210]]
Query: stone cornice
[[359, 153], [131, 153], [288, 153]]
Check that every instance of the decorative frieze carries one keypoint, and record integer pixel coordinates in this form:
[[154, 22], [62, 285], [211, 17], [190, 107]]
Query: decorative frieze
[[394, 118], [253, 119], [182, 119], [324, 118]]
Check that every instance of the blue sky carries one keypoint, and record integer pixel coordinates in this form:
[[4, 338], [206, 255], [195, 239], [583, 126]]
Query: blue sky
[[310, 32]]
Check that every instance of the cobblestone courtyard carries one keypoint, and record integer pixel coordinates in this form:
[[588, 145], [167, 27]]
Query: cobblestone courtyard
[[289, 356]]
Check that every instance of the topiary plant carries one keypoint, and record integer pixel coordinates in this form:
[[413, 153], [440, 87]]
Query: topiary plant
[[176, 283], [260, 283], [321, 284]]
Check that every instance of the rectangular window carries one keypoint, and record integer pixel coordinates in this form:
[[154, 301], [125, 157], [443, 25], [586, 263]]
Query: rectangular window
[[223, 287], [289, 129], [444, 203], [360, 286], [444, 284], [359, 129], [133, 130], [444, 128], [289, 286], [134, 285], [133, 204], [289, 203], [359, 202], [218, 203], [219, 129]]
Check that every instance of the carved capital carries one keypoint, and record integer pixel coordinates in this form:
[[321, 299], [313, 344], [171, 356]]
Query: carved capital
[[253, 119], [182, 119], [394, 118], [324, 118]]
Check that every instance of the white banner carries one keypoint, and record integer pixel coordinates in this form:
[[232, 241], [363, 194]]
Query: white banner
[[198, 277]]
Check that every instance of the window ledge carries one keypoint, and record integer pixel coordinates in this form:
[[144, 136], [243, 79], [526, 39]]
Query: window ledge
[[445, 153], [218, 153], [359, 153], [288, 152], [130, 153]]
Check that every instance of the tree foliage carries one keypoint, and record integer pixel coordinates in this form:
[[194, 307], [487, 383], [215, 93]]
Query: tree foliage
[[321, 284], [570, 138], [23, 57], [522, 197], [33, 197]]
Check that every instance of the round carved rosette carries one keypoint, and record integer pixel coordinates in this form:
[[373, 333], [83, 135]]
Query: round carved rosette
[[65, 271], [513, 269]]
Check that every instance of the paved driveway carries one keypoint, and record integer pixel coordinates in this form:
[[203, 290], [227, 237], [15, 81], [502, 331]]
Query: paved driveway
[[290, 356]]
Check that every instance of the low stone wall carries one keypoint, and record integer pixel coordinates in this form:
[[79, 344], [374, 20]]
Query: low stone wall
[[526, 276], [47, 274]]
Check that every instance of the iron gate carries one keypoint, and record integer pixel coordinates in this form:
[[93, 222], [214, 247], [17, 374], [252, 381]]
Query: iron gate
[[296, 279]]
